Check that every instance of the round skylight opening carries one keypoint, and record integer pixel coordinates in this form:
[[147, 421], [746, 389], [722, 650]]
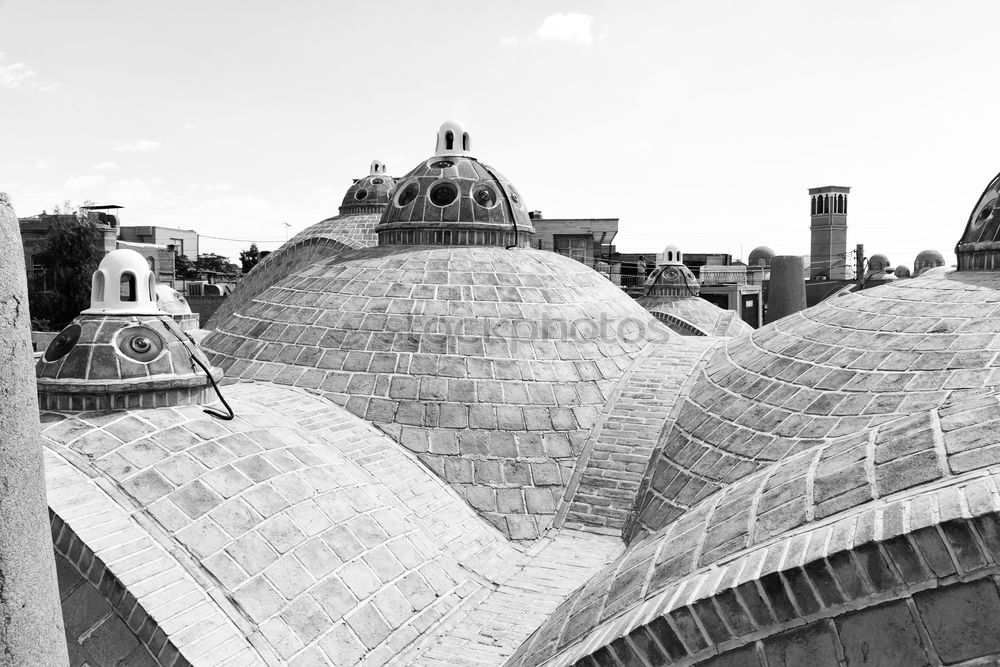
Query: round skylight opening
[[442, 194], [63, 343], [377, 181], [407, 194], [140, 344], [485, 196], [441, 164], [361, 194]]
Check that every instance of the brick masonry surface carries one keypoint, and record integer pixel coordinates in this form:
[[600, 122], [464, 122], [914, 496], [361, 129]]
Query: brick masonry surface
[[492, 365], [703, 317], [838, 368], [609, 472], [912, 554], [95, 633], [172, 610], [262, 524], [328, 238]]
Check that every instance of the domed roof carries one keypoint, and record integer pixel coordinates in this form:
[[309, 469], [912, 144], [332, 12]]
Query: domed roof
[[979, 247], [927, 259], [369, 194], [490, 364], [453, 199], [901, 271], [878, 262], [760, 256], [929, 256]]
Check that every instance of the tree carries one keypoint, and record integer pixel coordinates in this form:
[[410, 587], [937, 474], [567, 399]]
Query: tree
[[71, 255], [209, 261], [250, 257], [184, 268]]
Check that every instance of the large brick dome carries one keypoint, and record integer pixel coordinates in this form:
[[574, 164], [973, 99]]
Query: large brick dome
[[491, 363]]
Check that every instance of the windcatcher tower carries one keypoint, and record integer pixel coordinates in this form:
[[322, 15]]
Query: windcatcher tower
[[828, 229]]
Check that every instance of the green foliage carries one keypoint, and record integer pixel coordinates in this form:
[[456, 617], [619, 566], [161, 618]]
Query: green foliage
[[250, 257], [211, 262], [184, 268], [72, 253]]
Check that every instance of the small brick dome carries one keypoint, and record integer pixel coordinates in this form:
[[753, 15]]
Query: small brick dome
[[760, 256], [927, 259], [369, 194], [453, 199]]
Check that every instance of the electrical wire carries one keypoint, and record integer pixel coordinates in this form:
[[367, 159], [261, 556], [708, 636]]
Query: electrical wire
[[195, 360]]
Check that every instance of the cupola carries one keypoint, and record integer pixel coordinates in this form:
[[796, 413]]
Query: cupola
[[370, 194], [979, 247], [452, 139], [123, 285], [453, 199]]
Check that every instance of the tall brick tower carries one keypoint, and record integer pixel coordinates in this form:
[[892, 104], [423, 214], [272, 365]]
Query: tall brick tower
[[828, 228]]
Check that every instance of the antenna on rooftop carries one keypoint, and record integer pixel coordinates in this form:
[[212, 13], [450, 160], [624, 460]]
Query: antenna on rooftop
[[287, 227]]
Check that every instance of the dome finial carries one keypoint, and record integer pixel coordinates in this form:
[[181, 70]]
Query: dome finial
[[452, 139], [378, 167], [123, 285]]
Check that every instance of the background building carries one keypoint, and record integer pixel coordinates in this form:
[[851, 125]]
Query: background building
[[184, 241], [828, 227]]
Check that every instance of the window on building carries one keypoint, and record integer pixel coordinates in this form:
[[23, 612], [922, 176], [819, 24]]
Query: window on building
[[574, 246]]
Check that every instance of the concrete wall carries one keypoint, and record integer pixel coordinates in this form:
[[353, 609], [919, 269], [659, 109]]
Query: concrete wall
[[205, 306]]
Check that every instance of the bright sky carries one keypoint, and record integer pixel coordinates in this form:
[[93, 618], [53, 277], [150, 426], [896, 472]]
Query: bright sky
[[700, 123]]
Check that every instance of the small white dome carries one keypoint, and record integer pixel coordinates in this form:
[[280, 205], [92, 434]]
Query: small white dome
[[670, 255], [171, 301], [123, 285], [452, 139]]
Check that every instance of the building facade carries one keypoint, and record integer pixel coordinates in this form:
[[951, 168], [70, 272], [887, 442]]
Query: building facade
[[184, 241]]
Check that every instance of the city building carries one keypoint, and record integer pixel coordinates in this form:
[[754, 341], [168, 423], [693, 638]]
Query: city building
[[587, 240], [673, 295], [454, 447], [34, 235], [183, 241]]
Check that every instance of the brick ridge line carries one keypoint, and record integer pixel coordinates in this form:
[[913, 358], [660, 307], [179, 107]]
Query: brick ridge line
[[661, 441], [511, 583], [645, 374], [595, 431]]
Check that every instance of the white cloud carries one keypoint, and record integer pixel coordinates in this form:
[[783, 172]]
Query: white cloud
[[14, 75], [141, 145], [107, 164], [573, 27], [79, 183], [41, 165], [192, 126], [17, 75], [509, 41]]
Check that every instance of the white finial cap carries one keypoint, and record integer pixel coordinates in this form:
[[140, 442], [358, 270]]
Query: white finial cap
[[123, 285], [453, 139], [670, 255], [378, 167]]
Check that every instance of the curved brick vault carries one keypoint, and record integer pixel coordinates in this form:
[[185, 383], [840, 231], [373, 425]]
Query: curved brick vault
[[491, 364], [840, 367]]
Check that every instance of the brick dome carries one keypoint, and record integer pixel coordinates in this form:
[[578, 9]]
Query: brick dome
[[491, 364], [369, 194], [453, 199]]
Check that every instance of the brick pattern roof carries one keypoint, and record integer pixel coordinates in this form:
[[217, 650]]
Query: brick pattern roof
[[610, 471], [778, 511], [491, 364], [328, 238], [707, 318], [310, 555], [841, 367]]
